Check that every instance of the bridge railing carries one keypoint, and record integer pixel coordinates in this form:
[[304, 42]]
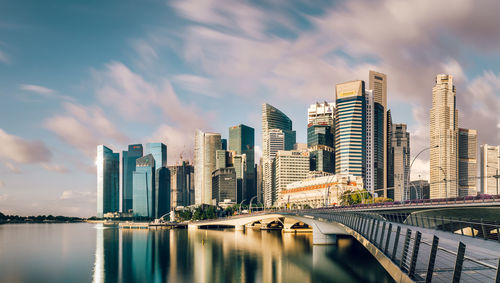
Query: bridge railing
[[420, 256]]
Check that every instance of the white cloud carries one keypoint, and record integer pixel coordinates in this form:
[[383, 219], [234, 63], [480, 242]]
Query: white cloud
[[19, 150], [2, 184], [196, 84], [44, 91], [55, 168], [78, 195], [4, 197], [12, 168], [85, 127]]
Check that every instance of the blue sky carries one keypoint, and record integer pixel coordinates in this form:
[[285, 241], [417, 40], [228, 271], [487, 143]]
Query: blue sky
[[77, 74]]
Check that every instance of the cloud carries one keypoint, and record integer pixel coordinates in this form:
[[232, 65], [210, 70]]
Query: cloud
[[12, 168], [180, 142], [196, 84], [55, 168], [44, 91], [3, 57], [4, 197], [85, 127], [78, 195], [2, 184], [20, 150]]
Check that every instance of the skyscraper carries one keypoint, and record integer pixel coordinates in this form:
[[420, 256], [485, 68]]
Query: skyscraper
[[242, 141], [467, 162], [321, 136], [277, 134], [224, 185], [443, 139], [162, 192], [377, 82], [108, 181], [290, 166], [400, 153], [490, 166], [205, 147], [350, 134], [389, 169], [128, 167], [182, 184], [159, 152], [144, 187]]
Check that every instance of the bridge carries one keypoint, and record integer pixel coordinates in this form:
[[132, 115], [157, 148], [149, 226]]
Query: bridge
[[411, 246]]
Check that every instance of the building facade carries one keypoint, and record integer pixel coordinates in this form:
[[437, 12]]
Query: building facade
[[182, 184], [205, 147], [242, 142], [224, 186], [108, 181], [144, 187], [400, 154], [129, 158], [350, 133], [467, 162], [159, 152], [290, 166], [443, 139], [389, 169], [319, 191], [162, 192], [490, 165], [277, 134]]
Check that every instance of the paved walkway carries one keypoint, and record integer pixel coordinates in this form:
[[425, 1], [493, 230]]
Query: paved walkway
[[480, 261]]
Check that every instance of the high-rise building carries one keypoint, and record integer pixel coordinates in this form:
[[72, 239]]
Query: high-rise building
[[181, 184], [323, 110], [400, 154], [290, 166], [205, 147], [350, 133], [419, 189], [322, 159], [467, 162], [224, 185], [321, 137], [128, 167], [369, 179], [144, 187], [159, 152], [277, 134], [490, 165], [108, 181], [389, 169], [162, 192], [444, 139], [260, 190], [377, 82], [223, 143], [242, 141]]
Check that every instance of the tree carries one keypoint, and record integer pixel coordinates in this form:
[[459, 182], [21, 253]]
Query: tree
[[352, 197]]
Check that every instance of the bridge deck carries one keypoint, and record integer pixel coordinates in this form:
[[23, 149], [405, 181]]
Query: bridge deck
[[480, 260]]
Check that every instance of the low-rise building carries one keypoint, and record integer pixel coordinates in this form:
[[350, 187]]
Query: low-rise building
[[318, 192]]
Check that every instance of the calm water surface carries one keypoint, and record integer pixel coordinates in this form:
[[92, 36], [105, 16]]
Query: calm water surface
[[93, 253]]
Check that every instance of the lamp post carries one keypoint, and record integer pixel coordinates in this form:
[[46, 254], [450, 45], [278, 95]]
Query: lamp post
[[411, 164], [445, 181], [239, 209], [251, 200]]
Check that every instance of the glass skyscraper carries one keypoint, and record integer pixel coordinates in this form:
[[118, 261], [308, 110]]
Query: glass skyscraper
[[129, 158], [350, 134], [242, 141], [144, 187], [108, 184], [159, 152], [162, 192]]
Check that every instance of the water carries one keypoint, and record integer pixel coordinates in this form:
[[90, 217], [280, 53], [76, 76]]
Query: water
[[88, 252]]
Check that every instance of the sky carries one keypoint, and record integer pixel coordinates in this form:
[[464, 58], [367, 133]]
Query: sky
[[76, 74]]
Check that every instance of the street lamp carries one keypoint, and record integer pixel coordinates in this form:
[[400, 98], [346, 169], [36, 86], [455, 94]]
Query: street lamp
[[239, 210], [411, 164], [251, 200], [445, 181]]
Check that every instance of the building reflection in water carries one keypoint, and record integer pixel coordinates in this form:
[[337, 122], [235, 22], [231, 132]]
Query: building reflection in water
[[140, 255]]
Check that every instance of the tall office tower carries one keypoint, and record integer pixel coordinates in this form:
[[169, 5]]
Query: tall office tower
[[350, 134], [222, 158], [223, 143], [242, 141], [239, 163], [128, 167], [389, 169], [467, 162], [162, 192], [108, 181], [260, 190], [205, 147], [369, 179], [277, 134], [181, 184], [490, 165], [290, 166], [377, 82], [443, 139], [400, 154], [144, 187], [159, 152], [321, 137], [224, 185]]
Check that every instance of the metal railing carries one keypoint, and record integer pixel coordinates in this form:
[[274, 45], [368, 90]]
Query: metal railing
[[420, 256]]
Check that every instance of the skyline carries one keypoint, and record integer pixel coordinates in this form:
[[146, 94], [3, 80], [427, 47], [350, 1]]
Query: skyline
[[198, 68]]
